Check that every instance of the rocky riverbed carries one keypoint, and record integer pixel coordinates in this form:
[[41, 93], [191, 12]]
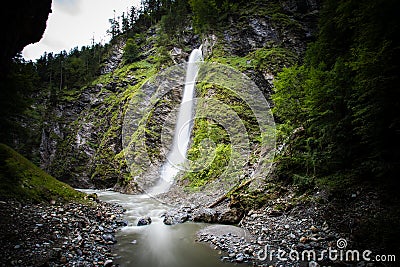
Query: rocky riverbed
[[260, 233], [58, 234], [287, 231], [266, 232]]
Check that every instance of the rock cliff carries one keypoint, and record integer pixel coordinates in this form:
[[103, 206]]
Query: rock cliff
[[82, 136]]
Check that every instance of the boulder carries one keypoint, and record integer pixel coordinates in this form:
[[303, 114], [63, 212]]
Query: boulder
[[144, 221], [230, 216], [175, 217], [205, 215]]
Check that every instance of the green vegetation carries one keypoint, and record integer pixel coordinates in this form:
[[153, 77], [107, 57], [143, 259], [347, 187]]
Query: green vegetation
[[131, 51], [205, 13], [212, 148], [107, 164], [213, 15], [16, 103], [29, 90], [272, 60], [339, 114], [21, 179]]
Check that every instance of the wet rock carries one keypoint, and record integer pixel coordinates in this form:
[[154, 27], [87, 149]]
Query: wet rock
[[239, 258], [93, 197], [121, 223], [205, 215], [144, 221], [208, 44], [63, 259], [275, 213], [177, 55], [175, 217]]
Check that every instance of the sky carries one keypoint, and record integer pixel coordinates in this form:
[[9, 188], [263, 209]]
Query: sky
[[74, 23]]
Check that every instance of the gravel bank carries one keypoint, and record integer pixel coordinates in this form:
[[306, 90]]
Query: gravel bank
[[291, 235], [58, 234]]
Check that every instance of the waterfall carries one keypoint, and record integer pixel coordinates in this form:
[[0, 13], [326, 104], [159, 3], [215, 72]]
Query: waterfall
[[176, 157]]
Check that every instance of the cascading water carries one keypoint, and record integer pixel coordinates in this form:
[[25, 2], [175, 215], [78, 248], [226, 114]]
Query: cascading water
[[157, 244], [177, 155]]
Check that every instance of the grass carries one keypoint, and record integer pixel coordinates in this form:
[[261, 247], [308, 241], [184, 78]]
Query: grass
[[22, 180]]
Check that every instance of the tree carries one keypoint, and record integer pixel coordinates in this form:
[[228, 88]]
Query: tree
[[173, 22], [205, 14], [344, 96], [131, 51], [114, 28], [125, 23]]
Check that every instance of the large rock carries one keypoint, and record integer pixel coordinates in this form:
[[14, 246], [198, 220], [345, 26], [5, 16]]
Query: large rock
[[144, 221], [230, 216], [177, 55], [175, 217], [205, 215]]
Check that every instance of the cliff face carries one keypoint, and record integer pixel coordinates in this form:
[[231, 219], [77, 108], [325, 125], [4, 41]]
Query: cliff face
[[82, 137], [82, 131]]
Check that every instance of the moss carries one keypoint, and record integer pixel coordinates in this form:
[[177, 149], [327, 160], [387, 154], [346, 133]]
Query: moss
[[239, 63], [247, 199], [22, 180], [211, 150], [208, 164], [106, 165], [272, 59], [338, 182], [71, 95], [109, 163]]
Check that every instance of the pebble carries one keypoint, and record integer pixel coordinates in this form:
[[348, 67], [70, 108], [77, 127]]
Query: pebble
[[303, 239], [239, 258], [108, 263]]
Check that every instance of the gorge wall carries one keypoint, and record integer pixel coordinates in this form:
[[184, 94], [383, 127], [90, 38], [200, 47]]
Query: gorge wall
[[81, 141]]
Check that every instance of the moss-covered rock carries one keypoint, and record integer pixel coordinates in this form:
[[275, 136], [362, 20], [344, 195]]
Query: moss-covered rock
[[22, 180]]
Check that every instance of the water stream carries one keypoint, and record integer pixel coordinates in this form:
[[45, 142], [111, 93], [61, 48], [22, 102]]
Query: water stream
[[157, 245]]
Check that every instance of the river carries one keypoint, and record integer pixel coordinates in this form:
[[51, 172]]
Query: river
[[157, 244]]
